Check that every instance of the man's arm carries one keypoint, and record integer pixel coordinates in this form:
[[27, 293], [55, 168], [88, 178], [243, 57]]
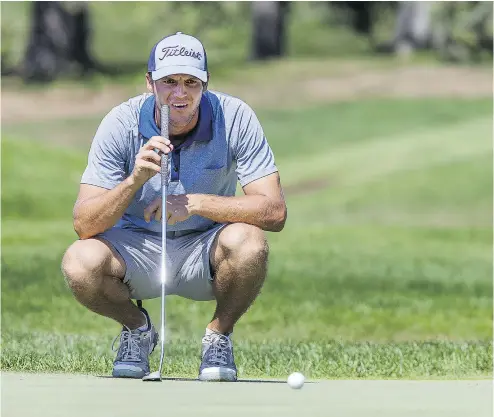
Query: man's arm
[[97, 209], [263, 205]]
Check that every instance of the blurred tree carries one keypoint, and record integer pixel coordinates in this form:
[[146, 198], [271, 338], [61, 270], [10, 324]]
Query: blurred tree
[[361, 16], [455, 31], [58, 40], [361, 12], [463, 31], [201, 16], [268, 34]]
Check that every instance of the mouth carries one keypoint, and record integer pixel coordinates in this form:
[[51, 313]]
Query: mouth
[[179, 106]]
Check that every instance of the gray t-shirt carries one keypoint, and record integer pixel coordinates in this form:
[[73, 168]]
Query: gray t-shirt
[[227, 145]]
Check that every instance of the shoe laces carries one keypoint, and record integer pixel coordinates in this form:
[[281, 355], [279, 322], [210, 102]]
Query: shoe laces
[[129, 342], [218, 348]]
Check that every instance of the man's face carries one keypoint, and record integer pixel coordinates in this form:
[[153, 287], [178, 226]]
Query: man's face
[[182, 93]]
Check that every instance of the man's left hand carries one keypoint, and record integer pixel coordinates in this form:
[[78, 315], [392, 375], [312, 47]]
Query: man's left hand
[[177, 206]]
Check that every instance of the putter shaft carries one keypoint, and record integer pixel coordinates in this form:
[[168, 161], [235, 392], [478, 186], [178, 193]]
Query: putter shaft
[[165, 159]]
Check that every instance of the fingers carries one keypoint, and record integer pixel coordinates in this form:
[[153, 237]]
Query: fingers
[[157, 216], [160, 143], [175, 212], [152, 166], [172, 217], [149, 155], [155, 210], [149, 210], [148, 160]]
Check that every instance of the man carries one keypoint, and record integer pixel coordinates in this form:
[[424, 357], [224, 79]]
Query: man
[[216, 246]]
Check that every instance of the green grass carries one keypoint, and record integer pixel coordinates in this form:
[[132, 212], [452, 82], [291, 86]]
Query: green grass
[[385, 272], [42, 352], [346, 123]]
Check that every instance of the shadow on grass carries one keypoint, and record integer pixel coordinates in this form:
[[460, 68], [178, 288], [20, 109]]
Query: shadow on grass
[[166, 378]]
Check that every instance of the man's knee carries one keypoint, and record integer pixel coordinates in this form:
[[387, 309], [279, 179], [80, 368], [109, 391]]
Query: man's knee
[[244, 242], [84, 264]]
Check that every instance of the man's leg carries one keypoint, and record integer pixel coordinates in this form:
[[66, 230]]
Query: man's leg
[[94, 272], [239, 257]]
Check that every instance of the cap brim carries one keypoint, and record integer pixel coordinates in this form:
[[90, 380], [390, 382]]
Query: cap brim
[[179, 69]]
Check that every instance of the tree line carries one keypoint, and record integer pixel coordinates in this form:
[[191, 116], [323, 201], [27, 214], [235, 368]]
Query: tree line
[[60, 32]]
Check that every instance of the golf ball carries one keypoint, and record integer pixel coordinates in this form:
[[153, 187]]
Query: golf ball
[[296, 380]]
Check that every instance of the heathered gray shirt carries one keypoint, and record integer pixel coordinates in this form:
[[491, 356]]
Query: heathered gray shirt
[[227, 145]]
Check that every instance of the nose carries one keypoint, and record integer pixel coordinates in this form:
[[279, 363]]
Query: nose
[[179, 90]]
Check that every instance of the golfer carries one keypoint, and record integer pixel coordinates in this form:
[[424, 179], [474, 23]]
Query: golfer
[[216, 244]]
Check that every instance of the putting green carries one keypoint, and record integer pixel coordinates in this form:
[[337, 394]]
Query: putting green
[[62, 395]]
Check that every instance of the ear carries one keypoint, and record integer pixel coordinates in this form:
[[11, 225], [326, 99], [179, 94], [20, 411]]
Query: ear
[[149, 82]]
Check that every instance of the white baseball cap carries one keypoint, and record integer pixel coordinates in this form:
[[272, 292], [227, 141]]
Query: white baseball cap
[[178, 54]]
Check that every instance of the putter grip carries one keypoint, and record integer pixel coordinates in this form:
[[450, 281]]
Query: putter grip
[[165, 159]]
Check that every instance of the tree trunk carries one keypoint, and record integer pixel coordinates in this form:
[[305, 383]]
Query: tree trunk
[[413, 24], [268, 18], [58, 40], [80, 44]]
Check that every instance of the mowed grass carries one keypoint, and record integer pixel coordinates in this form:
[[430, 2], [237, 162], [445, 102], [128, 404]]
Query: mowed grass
[[384, 268]]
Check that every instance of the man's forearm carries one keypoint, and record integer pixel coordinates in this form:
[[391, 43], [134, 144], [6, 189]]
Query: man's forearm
[[97, 214], [258, 210]]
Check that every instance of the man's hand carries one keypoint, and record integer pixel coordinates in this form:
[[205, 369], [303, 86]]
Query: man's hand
[[148, 161], [178, 209]]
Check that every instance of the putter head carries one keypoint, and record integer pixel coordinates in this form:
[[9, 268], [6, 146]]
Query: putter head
[[153, 376]]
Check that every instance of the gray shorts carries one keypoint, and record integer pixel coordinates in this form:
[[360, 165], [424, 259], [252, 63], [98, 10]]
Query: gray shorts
[[187, 259]]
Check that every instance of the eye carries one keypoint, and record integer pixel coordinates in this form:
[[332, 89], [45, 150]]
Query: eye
[[169, 81], [191, 82]]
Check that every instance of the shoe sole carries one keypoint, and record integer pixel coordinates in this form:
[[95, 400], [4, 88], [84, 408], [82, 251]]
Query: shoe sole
[[128, 371], [218, 375]]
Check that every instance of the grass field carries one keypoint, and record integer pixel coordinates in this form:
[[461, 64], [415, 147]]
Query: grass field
[[384, 269]]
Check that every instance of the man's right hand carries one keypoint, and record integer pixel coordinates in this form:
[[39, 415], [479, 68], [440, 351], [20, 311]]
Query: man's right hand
[[148, 161]]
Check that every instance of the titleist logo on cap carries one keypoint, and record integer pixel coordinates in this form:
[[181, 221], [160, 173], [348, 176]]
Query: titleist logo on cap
[[179, 51]]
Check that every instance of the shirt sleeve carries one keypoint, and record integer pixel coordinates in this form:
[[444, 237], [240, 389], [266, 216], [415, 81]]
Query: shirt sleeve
[[254, 156], [108, 154]]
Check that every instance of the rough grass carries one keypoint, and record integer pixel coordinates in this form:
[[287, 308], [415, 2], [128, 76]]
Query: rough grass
[[52, 352]]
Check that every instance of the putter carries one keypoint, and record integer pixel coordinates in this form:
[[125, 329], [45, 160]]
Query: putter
[[165, 159]]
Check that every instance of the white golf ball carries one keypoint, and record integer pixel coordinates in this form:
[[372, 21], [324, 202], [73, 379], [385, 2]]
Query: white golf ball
[[296, 380]]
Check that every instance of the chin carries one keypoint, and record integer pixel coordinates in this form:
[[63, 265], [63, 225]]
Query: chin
[[179, 123]]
